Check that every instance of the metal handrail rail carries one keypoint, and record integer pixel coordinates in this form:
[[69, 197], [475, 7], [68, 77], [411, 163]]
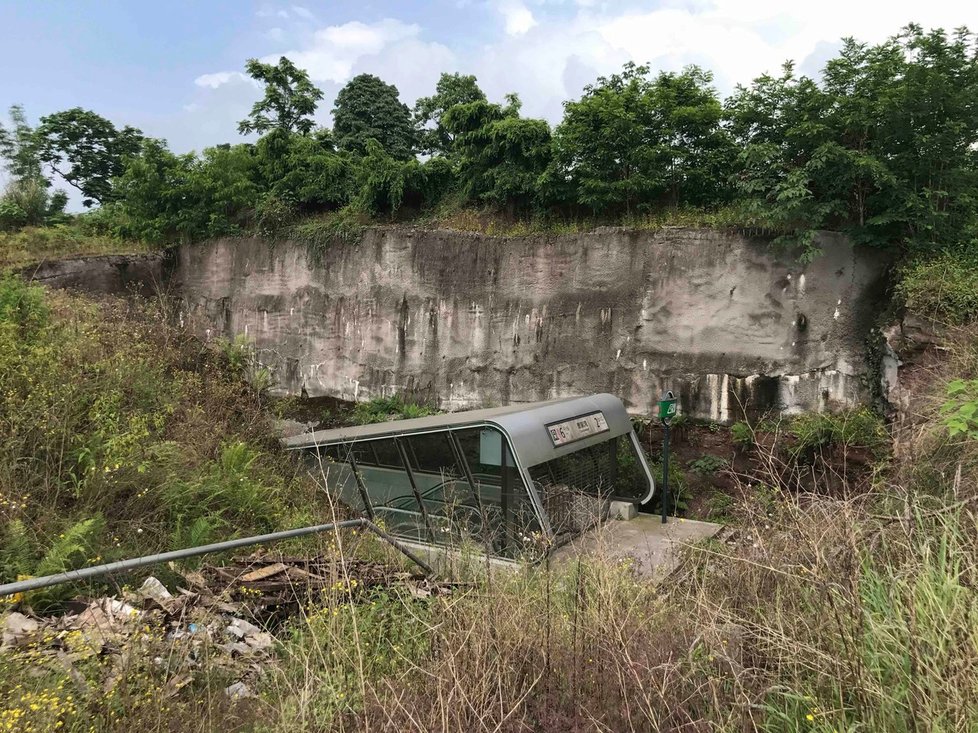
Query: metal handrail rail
[[22, 586]]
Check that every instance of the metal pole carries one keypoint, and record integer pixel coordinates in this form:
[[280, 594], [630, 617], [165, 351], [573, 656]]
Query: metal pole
[[665, 471], [137, 562]]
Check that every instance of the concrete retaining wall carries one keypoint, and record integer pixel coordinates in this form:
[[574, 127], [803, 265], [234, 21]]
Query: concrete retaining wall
[[465, 320]]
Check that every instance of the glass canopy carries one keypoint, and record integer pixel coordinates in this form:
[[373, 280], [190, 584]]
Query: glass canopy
[[514, 482]]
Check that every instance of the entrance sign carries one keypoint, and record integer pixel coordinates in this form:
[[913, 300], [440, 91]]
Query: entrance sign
[[667, 406], [577, 428]]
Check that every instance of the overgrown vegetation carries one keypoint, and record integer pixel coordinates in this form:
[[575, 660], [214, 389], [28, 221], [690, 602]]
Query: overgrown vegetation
[[122, 435], [382, 409], [838, 603]]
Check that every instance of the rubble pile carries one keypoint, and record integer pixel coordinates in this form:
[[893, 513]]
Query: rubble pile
[[231, 608]]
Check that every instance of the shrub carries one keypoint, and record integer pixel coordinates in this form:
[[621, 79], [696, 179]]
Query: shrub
[[851, 428], [708, 464], [742, 434], [22, 306], [944, 287], [382, 409], [960, 411]]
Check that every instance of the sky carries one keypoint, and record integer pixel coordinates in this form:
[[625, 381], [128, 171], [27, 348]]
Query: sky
[[173, 69]]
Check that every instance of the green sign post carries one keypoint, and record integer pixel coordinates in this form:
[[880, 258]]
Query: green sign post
[[667, 411]]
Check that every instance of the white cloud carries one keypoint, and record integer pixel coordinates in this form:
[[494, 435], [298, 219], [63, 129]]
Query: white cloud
[[302, 12], [219, 78], [517, 16], [334, 50], [548, 55]]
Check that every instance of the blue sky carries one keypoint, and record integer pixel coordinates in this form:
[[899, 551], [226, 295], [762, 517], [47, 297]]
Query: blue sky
[[173, 68]]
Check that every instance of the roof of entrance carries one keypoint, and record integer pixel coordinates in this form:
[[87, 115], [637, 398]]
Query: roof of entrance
[[525, 424]]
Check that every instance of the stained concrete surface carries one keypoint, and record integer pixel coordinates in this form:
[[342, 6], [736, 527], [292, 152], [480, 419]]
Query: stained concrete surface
[[463, 320], [652, 548], [124, 274]]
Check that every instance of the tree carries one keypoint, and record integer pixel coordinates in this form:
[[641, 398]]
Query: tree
[[86, 150], [884, 149], [634, 142], [369, 109], [289, 102], [305, 171], [18, 147], [501, 155], [451, 90]]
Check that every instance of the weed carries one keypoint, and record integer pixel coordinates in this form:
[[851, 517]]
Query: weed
[[944, 287], [708, 464], [742, 434], [382, 409], [960, 411]]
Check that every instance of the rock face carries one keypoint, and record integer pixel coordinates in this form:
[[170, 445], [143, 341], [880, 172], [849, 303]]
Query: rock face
[[465, 320], [104, 274]]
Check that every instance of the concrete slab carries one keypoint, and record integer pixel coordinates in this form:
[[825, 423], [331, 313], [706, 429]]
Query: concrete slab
[[653, 547]]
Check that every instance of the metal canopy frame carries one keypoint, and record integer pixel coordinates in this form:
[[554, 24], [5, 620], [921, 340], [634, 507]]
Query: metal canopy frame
[[524, 432]]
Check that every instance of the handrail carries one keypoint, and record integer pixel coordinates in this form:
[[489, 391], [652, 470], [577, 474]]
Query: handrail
[[22, 586]]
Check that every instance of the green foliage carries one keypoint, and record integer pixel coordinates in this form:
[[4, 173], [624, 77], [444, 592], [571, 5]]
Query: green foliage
[[501, 155], [852, 428], [289, 102], [382, 409], [451, 90], [708, 464], [960, 411], [883, 148], [742, 434], [944, 287], [22, 307], [678, 487], [19, 148], [385, 183], [72, 548], [305, 170], [107, 411], [634, 143], [86, 150], [165, 197], [369, 109]]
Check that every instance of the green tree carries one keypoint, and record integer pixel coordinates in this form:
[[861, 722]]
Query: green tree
[[384, 183], [501, 155], [884, 149], [369, 109], [305, 171], [86, 150], [452, 89], [636, 142], [19, 148], [289, 102]]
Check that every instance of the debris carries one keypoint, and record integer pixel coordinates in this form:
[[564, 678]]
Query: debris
[[241, 628], [155, 590], [238, 691], [16, 628], [266, 572]]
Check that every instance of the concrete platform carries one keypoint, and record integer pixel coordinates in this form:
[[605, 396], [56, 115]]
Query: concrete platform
[[652, 546]]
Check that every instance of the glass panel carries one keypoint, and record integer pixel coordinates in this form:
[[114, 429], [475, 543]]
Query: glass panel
[[632, 482], [452, 507], [335, 472], [510, 526], [390, 491]]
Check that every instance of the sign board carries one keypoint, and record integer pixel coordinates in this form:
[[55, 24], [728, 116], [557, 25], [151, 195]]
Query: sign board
[[577, 428], [667, 406]]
